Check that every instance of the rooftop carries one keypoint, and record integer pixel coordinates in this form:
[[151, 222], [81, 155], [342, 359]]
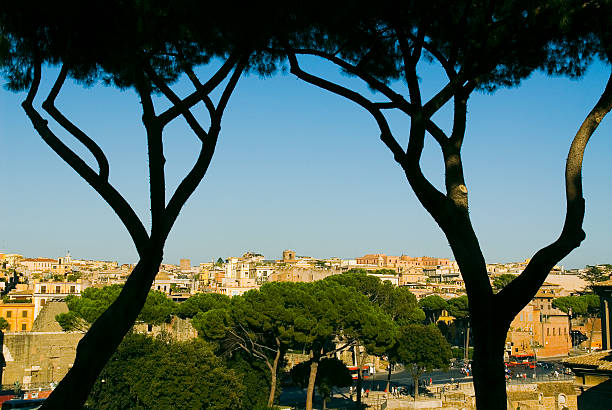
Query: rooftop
[[596, 361]]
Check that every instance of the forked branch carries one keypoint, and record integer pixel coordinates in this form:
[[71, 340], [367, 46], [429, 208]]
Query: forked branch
[[119, 205], [49, 106], [195, 175], [426, 192], [572, 234], [191, 100]]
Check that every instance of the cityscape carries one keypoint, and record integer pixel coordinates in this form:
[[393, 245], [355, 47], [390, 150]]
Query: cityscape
[[39, 348]]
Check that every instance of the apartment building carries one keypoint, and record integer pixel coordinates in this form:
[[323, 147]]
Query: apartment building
[[540, 328], [45, 291], [20, 316]]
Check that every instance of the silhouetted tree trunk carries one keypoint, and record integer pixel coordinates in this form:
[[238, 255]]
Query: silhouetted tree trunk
[[106, 333]]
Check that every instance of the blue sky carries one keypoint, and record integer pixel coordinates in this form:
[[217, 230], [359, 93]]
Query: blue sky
[[298, 168]]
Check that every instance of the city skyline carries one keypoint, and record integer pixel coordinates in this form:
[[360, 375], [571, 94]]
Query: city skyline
[[301, 169]]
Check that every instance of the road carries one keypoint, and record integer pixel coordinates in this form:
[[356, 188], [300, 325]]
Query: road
[[453, 375]]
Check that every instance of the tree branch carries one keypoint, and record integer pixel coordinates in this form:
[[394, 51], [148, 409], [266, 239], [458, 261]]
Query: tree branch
[[49, 106], [409, 161], [174, 99], [194, 177], [119, 205], [191, 100], [372, 82], [157, 180], [198, 86], [521, 290], [410, 62], [386, 135], [397, 100]]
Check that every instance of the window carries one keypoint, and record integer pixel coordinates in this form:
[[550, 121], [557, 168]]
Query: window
[[24, 313], [72, 289], [554, 331], [9, 313], [43, 289], [58, 289], [548, 331], [23, 326]]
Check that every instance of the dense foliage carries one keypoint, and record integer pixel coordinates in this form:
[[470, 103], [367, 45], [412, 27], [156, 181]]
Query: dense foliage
[[85, 309], [147, 373]]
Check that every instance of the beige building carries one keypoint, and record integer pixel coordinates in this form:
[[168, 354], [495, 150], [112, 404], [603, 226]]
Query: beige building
[[38, 264], [299, 275], [404, 262], [45, 292]]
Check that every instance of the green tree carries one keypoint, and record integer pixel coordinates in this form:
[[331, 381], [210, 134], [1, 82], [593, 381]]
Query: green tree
[[459, 308], [586, 306], [594, 275], [3, 324], [85, 309], [502, 280], [331, 373], [480, 45], [73, 277], [149, 373], [433, 305], [421, 348], [324, 312], [256, 324], [398, 302], [201, 302]]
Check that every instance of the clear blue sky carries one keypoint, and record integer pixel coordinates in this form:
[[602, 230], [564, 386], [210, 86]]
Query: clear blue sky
[[299, 168]]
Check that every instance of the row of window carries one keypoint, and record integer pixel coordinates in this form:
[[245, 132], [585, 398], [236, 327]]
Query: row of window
[[58, 289], [554, 331], [9, 313], [23, 327]]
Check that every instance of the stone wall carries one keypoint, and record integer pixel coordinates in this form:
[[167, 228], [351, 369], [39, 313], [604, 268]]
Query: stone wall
[[178, 329], [38, 357], [43, 355]]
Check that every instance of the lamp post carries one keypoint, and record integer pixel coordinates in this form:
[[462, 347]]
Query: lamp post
[[534, 346]]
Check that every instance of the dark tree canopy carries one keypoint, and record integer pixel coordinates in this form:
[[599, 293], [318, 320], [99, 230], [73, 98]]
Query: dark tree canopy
[[202, 302], [150, 373], [433, 305], [398, 302], [583, 305]]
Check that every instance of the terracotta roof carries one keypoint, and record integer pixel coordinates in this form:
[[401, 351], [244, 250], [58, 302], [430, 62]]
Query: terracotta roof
[[597, 361], [604, 283], [39, 260]]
